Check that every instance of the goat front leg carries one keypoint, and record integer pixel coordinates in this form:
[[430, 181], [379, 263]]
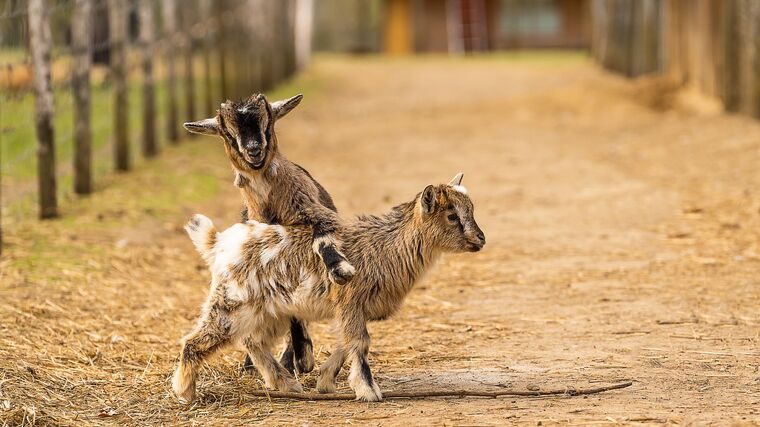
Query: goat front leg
[[324, 222], [275, 375], [329, 370], [298, 355], [356, 341], [339, 270]]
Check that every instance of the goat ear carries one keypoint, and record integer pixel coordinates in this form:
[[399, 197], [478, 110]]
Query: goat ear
[[283, 107], [203, 127], [427, 200], [457, 180]]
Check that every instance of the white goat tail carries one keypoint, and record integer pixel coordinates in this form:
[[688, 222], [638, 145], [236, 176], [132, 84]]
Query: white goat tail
[[203, 234]]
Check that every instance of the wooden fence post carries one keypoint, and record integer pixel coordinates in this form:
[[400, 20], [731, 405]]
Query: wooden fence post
[[147, 39], [208, 48], [732, 76], [81, 41], [40, 43], [169, 15], [304, 17], [222, 49], [117, 20], [188, 10]]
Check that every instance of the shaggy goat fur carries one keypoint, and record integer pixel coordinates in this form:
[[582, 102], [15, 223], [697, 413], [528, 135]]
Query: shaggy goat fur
[[264, 274]]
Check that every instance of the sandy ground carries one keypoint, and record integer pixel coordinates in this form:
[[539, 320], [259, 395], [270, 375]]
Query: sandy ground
[[622, 227]]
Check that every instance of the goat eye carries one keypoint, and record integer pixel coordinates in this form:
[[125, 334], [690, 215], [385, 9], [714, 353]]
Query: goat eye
[[453, 217]]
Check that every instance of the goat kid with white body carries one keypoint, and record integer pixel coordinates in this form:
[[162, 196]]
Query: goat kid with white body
[[262, 275]]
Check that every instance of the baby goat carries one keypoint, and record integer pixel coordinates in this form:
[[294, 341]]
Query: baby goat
[[277, 191], [274, 188], [263, 274]]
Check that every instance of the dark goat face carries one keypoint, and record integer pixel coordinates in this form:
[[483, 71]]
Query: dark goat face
[[247, 126], [450, 216]]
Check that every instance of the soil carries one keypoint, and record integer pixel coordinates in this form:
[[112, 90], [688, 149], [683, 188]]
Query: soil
[[623, 230]]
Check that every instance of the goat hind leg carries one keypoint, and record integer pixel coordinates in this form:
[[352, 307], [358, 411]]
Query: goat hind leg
[[275, 375], [209, 336]]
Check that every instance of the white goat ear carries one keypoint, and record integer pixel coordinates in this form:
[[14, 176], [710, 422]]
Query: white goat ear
[[283, 107], [427, 200], [457, 180], [203, 127]]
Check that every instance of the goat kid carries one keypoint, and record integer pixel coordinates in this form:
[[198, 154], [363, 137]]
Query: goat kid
[[264, 274], [277, 191], [273, 187]]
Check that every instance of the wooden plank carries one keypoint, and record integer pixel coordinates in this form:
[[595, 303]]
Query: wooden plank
[[40, 43], [117, 25], [169, 16], [81, 40], [147, 47]]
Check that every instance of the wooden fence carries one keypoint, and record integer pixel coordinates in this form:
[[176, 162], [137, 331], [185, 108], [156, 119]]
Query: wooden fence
[[711, 46], [218, 48]]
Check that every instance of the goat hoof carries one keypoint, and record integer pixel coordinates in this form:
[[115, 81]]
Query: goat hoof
[[342, 272], [287, 363], [368, 393], [325, 386], [291, 385], [186, 396], [248, 367], [305, 364]]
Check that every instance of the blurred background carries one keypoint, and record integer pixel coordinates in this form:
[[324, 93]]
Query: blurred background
[[115, 78], [611, 148]]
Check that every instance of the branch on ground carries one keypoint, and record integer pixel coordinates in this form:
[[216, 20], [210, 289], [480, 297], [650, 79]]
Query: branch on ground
[[420, 394]]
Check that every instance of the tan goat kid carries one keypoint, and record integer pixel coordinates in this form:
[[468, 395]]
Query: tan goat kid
[[262, 275]]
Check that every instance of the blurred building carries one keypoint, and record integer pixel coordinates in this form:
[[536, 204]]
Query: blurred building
[[453, 26]]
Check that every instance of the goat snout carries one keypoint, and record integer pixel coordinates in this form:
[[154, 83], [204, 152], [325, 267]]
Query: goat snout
[[254, 152], [476, 241]]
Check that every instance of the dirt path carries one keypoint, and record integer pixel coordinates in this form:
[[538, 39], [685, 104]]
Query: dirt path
[[622, 245]]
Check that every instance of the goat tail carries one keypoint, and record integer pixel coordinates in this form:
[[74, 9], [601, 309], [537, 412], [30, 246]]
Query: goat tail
[[203, 234]]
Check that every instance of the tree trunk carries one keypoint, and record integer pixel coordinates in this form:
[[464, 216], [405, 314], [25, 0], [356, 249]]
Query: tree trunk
[[147, 40], [81, 39], [169, 14], [117, 19], [40, 44]]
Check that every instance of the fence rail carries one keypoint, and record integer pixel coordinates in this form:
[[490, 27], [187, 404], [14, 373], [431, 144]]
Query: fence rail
[[162, 53]]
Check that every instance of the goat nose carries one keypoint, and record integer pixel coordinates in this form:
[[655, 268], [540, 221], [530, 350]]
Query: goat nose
[[254, 152]]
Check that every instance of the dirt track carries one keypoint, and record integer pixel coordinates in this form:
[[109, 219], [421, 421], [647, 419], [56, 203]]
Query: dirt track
[[623, 243]]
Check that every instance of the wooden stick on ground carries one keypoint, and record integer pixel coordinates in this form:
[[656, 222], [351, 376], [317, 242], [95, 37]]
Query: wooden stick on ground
[[440, 393]]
